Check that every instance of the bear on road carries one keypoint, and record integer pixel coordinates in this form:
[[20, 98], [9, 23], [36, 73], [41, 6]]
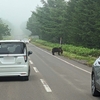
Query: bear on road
[[58, 50]]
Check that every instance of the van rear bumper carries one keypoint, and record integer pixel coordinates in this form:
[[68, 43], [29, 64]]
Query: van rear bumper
[[22, 70], [4, 74]]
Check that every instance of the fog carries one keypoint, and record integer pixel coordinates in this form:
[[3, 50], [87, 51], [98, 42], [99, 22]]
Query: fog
[[17, 12]]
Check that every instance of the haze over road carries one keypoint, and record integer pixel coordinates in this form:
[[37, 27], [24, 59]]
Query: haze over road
[[17, 11]]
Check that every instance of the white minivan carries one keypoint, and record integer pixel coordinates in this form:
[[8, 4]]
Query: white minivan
[[14, 59]]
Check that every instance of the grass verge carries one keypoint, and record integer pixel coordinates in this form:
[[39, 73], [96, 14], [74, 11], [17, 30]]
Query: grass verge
[[86, 60]]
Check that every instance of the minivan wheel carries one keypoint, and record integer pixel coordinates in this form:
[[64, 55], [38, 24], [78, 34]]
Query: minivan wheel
[[93, 87], [25, 78]]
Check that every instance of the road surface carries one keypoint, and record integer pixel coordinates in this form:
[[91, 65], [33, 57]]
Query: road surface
[[52, 78]]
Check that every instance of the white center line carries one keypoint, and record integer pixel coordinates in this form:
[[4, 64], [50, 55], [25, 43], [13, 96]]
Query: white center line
[[35, 69], [31, 62], [47, 88]]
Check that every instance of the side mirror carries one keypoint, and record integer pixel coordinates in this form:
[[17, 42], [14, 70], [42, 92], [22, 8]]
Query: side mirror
[[98, 62], [29, 52]]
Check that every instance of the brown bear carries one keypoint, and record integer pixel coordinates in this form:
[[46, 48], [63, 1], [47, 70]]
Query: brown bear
[[58, 50]]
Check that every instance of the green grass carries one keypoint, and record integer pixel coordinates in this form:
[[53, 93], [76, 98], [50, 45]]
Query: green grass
[[84, 55]]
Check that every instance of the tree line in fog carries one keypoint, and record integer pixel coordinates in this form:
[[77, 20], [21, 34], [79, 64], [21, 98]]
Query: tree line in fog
[[76, 22], [4, 29]]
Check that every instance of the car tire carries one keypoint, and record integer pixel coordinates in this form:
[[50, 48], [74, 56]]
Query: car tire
[[26, 78], [93, 87]]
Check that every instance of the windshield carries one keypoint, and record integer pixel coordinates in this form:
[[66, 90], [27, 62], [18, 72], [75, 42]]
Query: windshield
[[12, 48]]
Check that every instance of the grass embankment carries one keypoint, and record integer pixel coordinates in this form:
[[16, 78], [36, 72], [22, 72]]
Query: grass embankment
[[84, 55]]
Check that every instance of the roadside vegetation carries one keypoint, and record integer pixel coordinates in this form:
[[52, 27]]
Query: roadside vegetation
[[83, 55], [76, 23], [4, 30]]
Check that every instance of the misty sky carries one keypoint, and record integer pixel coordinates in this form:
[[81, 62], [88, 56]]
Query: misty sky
[[17, 11]]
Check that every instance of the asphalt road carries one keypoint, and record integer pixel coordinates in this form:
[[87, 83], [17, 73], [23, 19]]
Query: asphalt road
[[52, 78]]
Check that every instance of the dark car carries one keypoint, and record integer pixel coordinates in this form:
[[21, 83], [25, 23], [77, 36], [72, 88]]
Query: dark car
[[95, 78]]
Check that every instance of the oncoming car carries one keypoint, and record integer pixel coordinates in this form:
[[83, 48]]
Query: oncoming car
[[26, 41], [14, 59], [95, 78]]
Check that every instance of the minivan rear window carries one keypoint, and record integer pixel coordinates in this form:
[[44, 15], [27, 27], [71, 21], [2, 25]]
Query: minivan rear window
[[12, 47]]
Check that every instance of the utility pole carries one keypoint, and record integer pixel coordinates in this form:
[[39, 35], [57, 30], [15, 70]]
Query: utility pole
[[60, 40]]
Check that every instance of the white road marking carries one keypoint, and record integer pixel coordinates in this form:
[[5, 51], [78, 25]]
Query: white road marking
[[47, 88], [67, 62], [31, 62], [74, 66], [35, 69]]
